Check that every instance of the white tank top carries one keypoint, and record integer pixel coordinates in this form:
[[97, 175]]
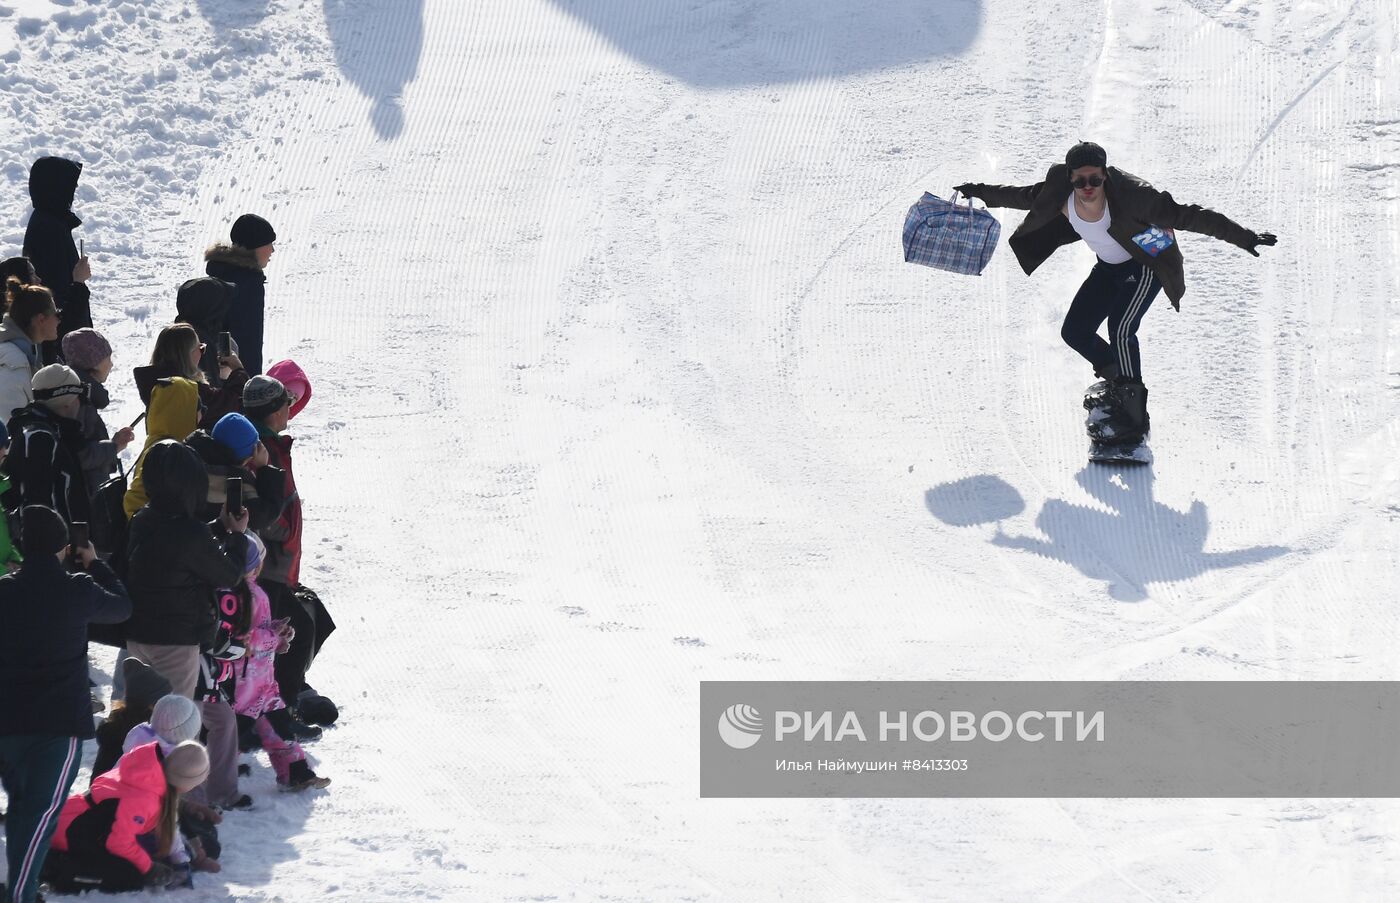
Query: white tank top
[[1096, 235]]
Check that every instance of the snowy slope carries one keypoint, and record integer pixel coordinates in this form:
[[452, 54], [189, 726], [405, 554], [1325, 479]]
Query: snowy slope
[[622, 384]]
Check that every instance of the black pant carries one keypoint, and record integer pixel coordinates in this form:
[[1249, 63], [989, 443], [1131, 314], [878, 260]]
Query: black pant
[[88, 864], [290, 666], [1119, 293]]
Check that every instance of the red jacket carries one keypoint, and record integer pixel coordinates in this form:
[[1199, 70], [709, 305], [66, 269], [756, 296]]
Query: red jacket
[[282, 536], [138, 785]]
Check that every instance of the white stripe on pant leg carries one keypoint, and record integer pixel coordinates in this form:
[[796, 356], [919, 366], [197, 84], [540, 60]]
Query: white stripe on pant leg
[[1123, 361], [60, 794], [1124, 357]]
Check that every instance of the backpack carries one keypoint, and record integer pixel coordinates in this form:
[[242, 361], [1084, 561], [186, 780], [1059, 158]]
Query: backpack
[[108, 523]]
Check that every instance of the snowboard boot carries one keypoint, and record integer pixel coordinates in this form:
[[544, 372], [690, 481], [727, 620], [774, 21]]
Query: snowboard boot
[[1099, 396], [1132, 423]]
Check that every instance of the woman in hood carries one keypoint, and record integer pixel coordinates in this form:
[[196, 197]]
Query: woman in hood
[[48, 242]]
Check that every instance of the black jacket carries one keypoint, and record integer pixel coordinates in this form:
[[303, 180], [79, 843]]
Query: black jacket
[[98, 453], [44, 617], [1134, 205], [44, 463], [263, 494], [244, 320], [49, 245], [174, 562]]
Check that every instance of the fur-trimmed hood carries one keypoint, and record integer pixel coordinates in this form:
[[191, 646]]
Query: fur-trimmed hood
[[222, 256]]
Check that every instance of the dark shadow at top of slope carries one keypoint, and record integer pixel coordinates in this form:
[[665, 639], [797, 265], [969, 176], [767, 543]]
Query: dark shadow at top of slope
[[377, 45], [226, 16], [732, 43]]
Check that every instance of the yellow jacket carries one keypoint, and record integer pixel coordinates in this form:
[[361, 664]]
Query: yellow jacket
[[172, 414]]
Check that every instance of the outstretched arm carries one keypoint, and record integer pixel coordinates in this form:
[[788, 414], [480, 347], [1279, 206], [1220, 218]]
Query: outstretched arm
[[1019, 198], [1195, 218]]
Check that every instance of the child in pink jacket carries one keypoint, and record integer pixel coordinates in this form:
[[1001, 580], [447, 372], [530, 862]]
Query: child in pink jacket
[[115, 836], [255, 693]]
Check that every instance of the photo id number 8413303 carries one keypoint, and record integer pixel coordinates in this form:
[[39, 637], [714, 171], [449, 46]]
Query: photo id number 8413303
[[935, 765]]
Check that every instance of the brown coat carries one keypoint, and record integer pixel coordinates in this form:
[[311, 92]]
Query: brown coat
[[1134, 204]]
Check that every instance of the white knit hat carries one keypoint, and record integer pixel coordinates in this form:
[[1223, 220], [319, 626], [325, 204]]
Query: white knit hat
[[176, 718], [55, 381]]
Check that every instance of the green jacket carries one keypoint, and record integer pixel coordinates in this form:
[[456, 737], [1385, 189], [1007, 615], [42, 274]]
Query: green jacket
[[8, 552], [1134, 205]]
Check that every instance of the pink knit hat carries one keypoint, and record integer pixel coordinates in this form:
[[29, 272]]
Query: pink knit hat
[[294, 378]]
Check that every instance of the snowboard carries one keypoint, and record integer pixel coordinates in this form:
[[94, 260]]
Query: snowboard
[[1103, 448]]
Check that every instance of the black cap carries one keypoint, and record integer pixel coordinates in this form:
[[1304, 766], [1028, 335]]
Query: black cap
[[1086, 153], [251, 231], [42, 531]]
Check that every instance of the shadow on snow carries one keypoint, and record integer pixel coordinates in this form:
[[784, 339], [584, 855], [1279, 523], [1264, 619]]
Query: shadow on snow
[[1138, 541], [731, 43]]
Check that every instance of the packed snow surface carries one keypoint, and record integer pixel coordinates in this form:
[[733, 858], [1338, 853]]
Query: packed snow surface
[[621, 384]]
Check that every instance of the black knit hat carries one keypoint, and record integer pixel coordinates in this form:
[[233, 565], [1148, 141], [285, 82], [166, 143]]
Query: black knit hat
[[42, 531], [251, 231], [1086, 153], [144, 684]]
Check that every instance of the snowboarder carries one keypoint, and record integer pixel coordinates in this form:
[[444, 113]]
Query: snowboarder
[[1130, 226]]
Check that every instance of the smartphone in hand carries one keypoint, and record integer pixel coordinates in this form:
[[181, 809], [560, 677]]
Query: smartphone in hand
[[78, 537], [234, 504], [224, 346]]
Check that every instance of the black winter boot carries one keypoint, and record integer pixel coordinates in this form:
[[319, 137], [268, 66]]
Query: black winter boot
[[301, 777]]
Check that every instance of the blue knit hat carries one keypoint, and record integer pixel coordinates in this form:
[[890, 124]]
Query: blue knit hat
[[236, 433], [257, 551]]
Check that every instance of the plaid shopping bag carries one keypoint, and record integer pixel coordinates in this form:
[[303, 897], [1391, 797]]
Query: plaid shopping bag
[[945, 235]]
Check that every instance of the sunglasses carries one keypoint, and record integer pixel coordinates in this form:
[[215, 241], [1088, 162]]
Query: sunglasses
[[1087, 182]]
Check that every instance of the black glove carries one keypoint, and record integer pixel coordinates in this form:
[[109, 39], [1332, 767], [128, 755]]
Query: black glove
[[1260, 238], [158, 875], [969, 189]]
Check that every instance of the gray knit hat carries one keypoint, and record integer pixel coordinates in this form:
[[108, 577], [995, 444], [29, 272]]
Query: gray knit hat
[[187, 765], [262, 395], [176, 718]]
